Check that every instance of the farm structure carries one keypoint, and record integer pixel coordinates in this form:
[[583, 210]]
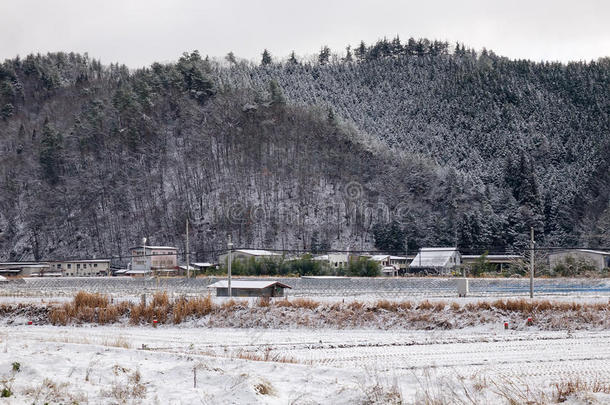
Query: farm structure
[[250, 288], [244, 254], [436, 260], [596, 258], [148, 259]]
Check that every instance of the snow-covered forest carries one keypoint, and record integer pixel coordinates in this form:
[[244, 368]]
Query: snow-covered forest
[[393, 145]]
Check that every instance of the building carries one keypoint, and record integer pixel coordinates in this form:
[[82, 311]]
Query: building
[[500, 261], [244, 254], [153, 260], [249, 288], [334, 260], [24, 269], [596, 258], [436, 260], [81, 268]]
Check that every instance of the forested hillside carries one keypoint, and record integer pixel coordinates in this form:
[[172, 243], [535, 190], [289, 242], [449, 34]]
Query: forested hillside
[[391, 146]]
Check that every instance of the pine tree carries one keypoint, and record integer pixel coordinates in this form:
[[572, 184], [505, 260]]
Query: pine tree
[[50, 157], [277, 95], [348, 54], [231, 58], [266, 58], [293, 59], [324, 56], [360, 52]]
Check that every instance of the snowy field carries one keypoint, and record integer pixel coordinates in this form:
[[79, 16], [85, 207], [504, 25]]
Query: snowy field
[[174, 365], [320, 288]]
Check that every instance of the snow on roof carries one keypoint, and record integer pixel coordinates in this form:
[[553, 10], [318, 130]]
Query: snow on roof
[[154, 247], [24, 264], [138, 272], [248, 284], [398, 257], [597, 252], [2, 278], [257, 252], [204, 264], [492, 256], [379, 258], [82, 261], [321, 257], [434, 257]]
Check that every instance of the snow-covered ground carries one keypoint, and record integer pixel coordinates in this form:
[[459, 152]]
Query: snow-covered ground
[[185, 365]]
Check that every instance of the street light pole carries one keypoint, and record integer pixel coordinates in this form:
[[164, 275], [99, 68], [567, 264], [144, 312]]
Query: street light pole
[[532, 262], [230, 248], [188, 258]]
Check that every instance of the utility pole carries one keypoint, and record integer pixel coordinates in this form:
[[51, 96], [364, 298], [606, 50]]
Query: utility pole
[[188, 257], [230, 248], [532, 262]]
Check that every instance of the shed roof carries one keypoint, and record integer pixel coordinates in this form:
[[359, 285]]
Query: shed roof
[[154, 247], [257, 252], [248, 284], [379, 258], [204, 264], [433, 257]]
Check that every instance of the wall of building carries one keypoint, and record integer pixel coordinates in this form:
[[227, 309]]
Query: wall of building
[[599, 261], [81, 268]]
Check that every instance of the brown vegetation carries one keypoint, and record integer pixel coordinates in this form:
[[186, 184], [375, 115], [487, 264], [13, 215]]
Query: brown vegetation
[[306, 312]]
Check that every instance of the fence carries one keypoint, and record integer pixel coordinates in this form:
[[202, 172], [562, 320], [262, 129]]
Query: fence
[[321, 287]]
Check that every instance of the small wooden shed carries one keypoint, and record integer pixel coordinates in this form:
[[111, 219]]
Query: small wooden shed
[[250, 288]]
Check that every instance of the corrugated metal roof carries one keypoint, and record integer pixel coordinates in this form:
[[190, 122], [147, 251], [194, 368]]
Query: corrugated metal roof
[[248, 284], [433, 257], [257, 252]]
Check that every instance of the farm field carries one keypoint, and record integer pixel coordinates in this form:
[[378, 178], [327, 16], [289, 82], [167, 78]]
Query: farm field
[[185, 365]]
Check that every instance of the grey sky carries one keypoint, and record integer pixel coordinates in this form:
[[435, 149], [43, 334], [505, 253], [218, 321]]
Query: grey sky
[[138, 32]]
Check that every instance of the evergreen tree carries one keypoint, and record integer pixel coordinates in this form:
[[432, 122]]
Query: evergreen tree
[[292, 60], [348, 55], [324, 56], [277, 95], [231, 58], [50, 157], [360, 51], [266, 58]]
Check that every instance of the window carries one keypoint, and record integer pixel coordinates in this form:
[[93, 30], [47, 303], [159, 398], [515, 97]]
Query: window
[[78, 265], [94, 264], [69, 265]]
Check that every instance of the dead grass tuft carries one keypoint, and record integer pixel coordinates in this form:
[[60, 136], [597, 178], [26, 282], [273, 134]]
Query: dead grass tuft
[[305, 303], [264, 387], [564, 389]]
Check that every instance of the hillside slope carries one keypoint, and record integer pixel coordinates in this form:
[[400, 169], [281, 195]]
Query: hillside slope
[[450, 149]]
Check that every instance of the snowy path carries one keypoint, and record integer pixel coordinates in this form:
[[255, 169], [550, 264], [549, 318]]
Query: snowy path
[[329, 363]]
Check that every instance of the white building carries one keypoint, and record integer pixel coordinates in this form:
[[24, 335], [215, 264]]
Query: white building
[[334, 260], [149, 259], [436, 260], [81, 268]]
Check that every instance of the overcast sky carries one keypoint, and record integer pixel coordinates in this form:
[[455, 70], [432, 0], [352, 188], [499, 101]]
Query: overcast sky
[[139, 32]]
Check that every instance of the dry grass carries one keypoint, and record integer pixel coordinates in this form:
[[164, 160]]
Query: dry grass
[[305, 303], [264, 387], [565, 389], [183, 308], [266, 355], [88, 308]]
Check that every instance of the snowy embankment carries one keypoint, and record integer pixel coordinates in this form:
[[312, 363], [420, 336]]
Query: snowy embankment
[[306, 313], [171, 365]]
